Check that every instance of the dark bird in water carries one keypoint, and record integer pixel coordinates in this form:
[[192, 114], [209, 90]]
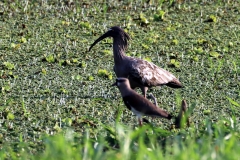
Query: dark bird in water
[[141, 106], [141, 73]]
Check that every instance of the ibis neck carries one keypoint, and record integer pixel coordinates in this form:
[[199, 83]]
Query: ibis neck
[[118, 51]]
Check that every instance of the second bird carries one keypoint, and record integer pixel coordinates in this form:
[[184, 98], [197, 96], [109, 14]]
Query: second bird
[[141, 73]]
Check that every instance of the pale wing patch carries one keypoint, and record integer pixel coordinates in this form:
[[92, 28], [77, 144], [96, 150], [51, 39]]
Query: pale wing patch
[[150, 74]]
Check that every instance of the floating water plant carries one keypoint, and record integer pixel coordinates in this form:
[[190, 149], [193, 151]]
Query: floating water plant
[[171, 28], [6, 88], [23, 40], [104, 73], [175, 41], [83, 64], [147, 59], [198, 50], [8, 65], [15, 46], [230, 44], [91, 121], [44, 71], [106, 52], [213, 18], [159, 16], [50, 58], [145, 46], [90, 78], [65, 23], [175, 63], [77, 77], [74, 60], [201, 41], [10, 116], [86, 25], [195, 58], [67, 121], [214, 54], [207, 112], [143, 19], [63, 90]]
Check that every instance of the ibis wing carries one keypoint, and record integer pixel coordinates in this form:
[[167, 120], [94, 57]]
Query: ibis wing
[[149, 74]]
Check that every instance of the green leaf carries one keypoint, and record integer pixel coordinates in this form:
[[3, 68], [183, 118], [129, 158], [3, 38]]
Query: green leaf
[[145, 46], [147, 59], [104, 73], [83, 64], [106, 52], [175, 63], [50, 58], [8, 65], [143, 19], [206, 112], [10, 116], [198, 50], [65, 23], [233, 102], [214, 54], [175, 41], [159, 16], [23, 40], [213, 18], [90, 78], [86, 25], [63, 90], [44, 71]]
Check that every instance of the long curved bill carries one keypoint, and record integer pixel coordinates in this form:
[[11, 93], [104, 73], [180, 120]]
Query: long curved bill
[[105, 35]]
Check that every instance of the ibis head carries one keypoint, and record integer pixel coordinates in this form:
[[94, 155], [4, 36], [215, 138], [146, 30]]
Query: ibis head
[[117, 34]]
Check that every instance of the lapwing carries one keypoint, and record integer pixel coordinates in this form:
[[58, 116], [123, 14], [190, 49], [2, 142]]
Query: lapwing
[[141, 106]]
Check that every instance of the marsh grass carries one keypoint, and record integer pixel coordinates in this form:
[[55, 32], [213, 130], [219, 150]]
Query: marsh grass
[[55, 104], [122, 142]]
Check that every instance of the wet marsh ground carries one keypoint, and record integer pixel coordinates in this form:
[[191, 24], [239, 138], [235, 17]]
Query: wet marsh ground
[[51, 85]]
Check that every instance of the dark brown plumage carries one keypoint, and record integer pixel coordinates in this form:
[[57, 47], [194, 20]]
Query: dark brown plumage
[[141, 73], [139, 105]]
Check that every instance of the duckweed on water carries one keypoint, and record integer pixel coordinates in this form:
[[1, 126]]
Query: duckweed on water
[[54, 104]]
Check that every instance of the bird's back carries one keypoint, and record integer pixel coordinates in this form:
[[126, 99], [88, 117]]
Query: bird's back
[[149, 74]]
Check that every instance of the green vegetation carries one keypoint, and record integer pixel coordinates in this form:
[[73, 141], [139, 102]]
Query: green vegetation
[[56, 101]]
